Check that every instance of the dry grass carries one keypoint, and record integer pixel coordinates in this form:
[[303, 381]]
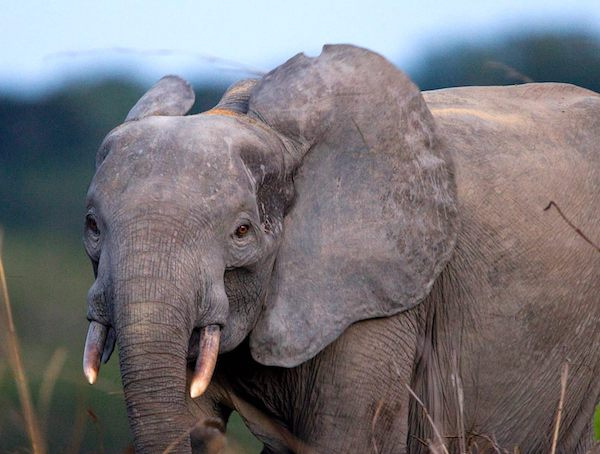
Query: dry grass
[[437, 445], [15, 361], [563, 389], [468, 444], [36, 422]]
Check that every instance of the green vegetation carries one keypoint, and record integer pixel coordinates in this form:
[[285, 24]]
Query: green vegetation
[[47, 150], [597, 422]]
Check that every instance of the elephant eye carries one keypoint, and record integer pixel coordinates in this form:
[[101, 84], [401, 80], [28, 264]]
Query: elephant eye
[[92, 225], [242, 230]]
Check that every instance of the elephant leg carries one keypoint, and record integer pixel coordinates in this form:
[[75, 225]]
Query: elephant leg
[[353, 397], [588, 442], [211, 412]]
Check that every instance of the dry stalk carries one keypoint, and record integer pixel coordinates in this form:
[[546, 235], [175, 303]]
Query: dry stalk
[[373, 423], [491, 441], [573, 226], [563, 388], [16, 363], [436, 432], [460, 407]]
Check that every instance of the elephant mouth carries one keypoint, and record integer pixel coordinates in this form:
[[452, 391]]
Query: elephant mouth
[[100, 340]]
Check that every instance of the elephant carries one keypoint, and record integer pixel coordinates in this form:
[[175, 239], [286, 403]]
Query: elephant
[[351, 264]]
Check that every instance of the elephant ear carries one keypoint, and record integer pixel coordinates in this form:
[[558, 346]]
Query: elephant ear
[[236, 98], [374, 217], [170, 96]]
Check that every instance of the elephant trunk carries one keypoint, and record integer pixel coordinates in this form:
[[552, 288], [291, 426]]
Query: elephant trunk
[[158, 296], [153, 330]]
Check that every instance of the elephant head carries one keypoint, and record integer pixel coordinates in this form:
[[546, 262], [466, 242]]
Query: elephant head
[[305, 201]]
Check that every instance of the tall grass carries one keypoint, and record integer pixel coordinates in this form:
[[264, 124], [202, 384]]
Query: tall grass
[[34, 419], [15, 361]]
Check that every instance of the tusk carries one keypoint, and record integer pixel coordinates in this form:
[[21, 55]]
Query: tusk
[[94, 345], [207, 359], [109, 345]]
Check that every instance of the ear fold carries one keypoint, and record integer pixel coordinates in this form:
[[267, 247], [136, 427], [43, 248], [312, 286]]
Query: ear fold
[[374, 219], [171, 95], [236, 97]]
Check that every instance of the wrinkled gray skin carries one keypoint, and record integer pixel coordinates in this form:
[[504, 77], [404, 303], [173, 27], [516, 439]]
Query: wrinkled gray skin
[[387, 247]]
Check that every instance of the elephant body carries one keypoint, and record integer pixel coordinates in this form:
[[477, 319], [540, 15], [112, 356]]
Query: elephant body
[[528, 281], [397, 262], [518, 300]]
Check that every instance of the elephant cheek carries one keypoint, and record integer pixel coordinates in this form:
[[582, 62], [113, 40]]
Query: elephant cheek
[[234, 332]]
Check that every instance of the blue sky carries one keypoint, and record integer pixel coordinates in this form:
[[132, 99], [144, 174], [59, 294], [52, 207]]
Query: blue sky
[[43, 43]]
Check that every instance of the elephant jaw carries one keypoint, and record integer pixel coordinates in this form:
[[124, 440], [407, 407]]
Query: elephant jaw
[[205, 363]]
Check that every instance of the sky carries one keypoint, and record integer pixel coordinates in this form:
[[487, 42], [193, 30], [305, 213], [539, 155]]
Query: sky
[[45, 43]]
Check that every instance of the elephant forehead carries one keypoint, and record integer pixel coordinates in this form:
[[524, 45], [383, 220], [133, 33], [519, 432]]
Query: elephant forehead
[[162, 158]]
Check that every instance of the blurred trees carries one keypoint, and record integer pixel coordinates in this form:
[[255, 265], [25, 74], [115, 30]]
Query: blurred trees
[[47, 145], [47, 150], [546, 57]]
